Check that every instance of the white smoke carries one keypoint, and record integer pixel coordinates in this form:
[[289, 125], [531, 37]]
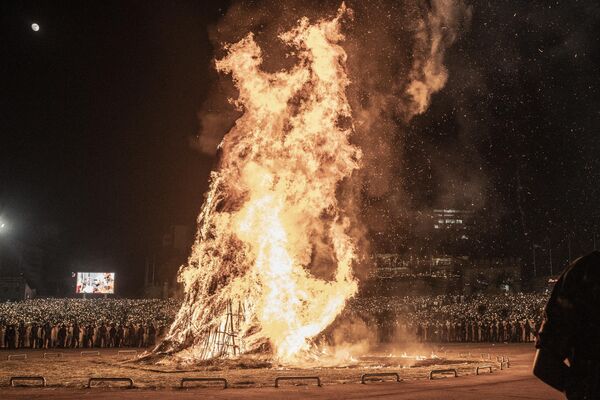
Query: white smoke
[[435, 33]]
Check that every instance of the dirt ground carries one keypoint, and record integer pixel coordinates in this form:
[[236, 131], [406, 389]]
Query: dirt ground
[[67, 378]]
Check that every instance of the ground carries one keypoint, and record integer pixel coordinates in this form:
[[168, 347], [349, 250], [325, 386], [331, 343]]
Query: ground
[[67, 377]]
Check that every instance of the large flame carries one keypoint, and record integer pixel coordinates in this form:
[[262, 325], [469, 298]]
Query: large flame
[[272, 263]]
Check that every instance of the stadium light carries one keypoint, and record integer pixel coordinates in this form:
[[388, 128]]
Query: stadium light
[[3, 226]]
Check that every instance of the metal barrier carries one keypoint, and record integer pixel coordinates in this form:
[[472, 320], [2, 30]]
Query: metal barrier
[[486, 356], [89, 353], [128, 380], [465, 355], [503, 363], [289, 378], [57, 355], [17, 356], [442, 371], [364, 376], [223, 380], [483, 367], [27, 378], [125, 352]]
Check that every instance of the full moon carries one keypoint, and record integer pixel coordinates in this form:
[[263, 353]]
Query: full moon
[[35, 27]]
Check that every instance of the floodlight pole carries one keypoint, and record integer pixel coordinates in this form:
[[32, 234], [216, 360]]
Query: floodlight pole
[[569, 245], [534, 267], [550, 256]]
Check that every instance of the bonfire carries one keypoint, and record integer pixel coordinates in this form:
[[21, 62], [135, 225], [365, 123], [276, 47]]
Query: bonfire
[[272, 263]]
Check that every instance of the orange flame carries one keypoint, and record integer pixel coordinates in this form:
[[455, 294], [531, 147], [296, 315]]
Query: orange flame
[[271, 213]]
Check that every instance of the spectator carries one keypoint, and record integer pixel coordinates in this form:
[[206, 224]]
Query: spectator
[[42, 323], [446, 318]]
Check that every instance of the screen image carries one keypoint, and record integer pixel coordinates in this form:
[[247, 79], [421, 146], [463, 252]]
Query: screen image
[[95, 282]]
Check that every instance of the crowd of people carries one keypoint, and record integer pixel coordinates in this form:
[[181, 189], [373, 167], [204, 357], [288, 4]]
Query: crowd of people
[[446, 318], [85, 323]]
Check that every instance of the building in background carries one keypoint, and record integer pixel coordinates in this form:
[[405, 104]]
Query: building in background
[[21, 265], [495, 274], [160, 277], [444, 255], [454, 232], [15, 289], [397, 275]]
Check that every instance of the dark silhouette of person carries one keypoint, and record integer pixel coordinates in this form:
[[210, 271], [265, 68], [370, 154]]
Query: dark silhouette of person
[[568, 355], [89, 336], [47, 335], [22, 334], [102, 333], [151, 334], [62, 335], [75, 340], [33, 336], [120, 336], [10, 336], [112, 333]]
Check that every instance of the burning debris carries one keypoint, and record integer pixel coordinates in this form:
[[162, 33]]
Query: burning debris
[[255, 280]]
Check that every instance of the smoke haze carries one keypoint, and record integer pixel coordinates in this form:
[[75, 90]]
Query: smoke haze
[[396, 64]]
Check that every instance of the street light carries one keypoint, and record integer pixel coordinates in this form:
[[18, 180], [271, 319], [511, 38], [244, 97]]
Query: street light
[[535, 246], [550, 256], [3, 228]]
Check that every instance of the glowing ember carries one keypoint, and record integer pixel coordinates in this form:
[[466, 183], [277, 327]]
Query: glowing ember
[[271, 266]]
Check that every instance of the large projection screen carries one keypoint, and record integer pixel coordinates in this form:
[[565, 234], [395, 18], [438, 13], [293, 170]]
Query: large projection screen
[[95, 282]]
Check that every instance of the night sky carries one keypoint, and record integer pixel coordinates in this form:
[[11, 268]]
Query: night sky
[[99, 106]]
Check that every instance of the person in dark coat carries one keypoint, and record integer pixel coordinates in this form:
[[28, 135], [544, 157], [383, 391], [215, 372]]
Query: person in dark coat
[[47, 335], [75, 341], [10, 336], [568, 345], [62, 335], [22, 333], [112, 334]]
